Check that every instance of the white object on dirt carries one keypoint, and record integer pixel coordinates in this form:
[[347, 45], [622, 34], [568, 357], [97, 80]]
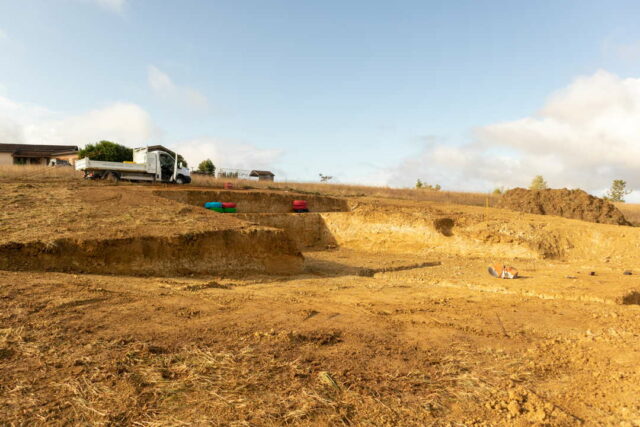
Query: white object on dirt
[[503, 272]]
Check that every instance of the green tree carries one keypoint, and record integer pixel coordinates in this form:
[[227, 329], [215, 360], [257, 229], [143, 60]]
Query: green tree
[[424, 185], [107, 151], [538, 183], [207, 166], [498, 191], [617, 191]]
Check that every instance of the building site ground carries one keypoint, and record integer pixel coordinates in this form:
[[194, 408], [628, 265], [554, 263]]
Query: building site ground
[[131, 304]]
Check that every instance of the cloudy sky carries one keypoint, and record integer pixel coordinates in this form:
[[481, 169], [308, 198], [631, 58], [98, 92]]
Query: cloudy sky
[[470, 94]]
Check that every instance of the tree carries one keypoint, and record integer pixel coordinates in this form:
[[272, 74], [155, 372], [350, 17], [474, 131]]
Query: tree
[[538, 183], [420, 184], [207, 166], [107, 151], [617, 191], [325, 178], [498, 191]]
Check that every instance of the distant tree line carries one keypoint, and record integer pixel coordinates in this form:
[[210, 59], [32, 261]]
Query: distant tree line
[[425, 186]]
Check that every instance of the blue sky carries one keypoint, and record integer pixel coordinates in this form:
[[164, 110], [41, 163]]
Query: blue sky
[[367, 91]]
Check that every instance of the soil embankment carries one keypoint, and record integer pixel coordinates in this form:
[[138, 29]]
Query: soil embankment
[[233, 251], [574, 204], [128, 230], [308, 231]]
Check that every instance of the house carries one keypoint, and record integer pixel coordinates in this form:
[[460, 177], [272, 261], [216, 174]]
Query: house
[[262, 175], [33, 154]]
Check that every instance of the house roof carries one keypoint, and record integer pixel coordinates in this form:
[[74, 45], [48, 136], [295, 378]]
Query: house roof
[[64, 153], [261, 173], [23, 153], [35, 150]]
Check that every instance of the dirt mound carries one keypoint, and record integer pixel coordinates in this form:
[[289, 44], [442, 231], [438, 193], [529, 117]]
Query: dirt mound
[[575, 204]]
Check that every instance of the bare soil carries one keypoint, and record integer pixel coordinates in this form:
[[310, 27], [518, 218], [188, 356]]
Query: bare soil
[[46, 212], [575, 204], [390, 319]]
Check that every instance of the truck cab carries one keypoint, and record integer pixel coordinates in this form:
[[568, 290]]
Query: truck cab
[[162, 164]]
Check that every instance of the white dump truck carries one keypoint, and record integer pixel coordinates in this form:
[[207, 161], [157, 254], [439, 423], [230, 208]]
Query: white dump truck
[[154, 164]]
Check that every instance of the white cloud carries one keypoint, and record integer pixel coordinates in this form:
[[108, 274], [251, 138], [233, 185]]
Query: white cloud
[[16, 117], [585, 136], [124, 123], [162, 85], [227, 154]]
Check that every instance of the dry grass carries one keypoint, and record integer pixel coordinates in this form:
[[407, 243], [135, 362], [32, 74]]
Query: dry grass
[[631, 212], [13, 173], [130, 382], [347, 190], [251, 387]]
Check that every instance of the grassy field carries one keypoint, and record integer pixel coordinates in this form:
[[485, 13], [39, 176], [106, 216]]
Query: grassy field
[[38, 173]]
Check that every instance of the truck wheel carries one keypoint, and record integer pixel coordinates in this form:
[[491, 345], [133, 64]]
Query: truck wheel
[[113, 177], [180, 180]]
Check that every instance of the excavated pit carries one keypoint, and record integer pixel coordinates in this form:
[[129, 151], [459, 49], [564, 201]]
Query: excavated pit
[[307, 230], [146, 231], [371, 228]]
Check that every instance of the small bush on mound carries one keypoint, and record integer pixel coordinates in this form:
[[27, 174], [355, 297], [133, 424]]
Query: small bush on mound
[[575, 204]]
